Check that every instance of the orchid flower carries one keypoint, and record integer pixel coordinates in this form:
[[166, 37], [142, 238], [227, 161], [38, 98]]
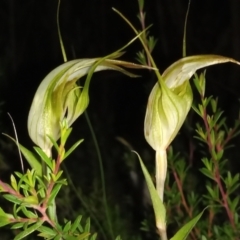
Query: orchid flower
[[168, 105], [59, 97]]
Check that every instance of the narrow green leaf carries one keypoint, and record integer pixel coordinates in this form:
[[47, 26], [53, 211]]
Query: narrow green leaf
[[87, 226], [18, 174], [28, 213], [28, 231], [234, 204], [30, 157], [12, 198], [76, 223], [207, 173], [17, 225], [4, 220], [83, 236], [2, 213], [54, 193], [72, 148], [67, 227], [54, 143], [14, 183], [30, 200], [65, 131], [159, 209], [58, 237], [94, 236], [70, 237], [44, 157], [59, 174], [183, 233], [47, 231], [211, 192]]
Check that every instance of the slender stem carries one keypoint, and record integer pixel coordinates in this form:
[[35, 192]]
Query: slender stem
[[180, 189], [163, 235], [102, 175], [144, 35], [184, 53], [161, 171]]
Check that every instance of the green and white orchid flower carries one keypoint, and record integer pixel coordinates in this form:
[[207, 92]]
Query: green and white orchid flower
[[168, 105], [59, 96]]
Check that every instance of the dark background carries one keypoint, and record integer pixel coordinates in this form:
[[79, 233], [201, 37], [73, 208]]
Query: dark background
[[29, 49]]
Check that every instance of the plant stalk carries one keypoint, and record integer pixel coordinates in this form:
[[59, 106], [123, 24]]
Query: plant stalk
[[163, 234], [161, 173]]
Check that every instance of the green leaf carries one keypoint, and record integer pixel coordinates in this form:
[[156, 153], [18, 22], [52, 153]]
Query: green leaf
[[83, 236], [159, 209], [30, 200], [54, 193], [72, 148], [65, 131], [46, 232], [69, 237], [14, 183], [211, 192], [87, 226], [28, 213], [183, 233], [4, 220], [30, 157], [234, 204], [59, 174], [17, 225], [28, 231], [44, 157], [207, 173], [67, 227], [76, 223], [94, 236], [13, 199], [54, 143], [58, 237]]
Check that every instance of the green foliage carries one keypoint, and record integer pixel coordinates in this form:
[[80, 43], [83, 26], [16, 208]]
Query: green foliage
[[33, 194]]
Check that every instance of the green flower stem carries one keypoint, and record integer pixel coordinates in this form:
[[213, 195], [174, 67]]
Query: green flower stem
[[161, 171], [163, 234]]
